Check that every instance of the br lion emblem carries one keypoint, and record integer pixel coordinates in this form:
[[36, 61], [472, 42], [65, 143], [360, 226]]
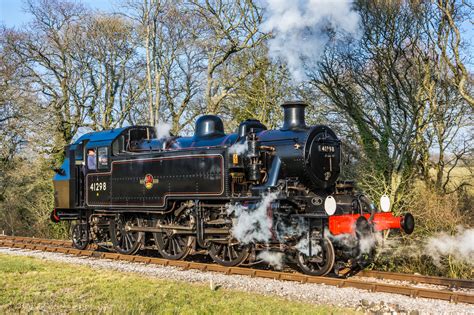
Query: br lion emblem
[[149, 181]]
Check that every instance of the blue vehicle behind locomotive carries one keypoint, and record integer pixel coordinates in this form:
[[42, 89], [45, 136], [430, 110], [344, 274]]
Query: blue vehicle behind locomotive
[[230, 195]]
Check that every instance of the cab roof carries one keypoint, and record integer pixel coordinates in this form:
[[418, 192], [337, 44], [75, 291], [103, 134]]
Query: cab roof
[[104, 135]]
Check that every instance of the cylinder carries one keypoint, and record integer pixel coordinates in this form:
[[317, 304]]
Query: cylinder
[[346, 223]]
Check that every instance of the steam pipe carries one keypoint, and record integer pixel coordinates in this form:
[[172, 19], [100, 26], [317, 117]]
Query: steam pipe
[[272, 176], [274, 172]]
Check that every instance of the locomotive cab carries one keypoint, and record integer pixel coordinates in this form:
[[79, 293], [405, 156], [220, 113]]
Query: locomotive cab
[[91, 153]]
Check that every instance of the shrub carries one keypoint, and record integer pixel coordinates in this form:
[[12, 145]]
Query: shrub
[[434, 213]]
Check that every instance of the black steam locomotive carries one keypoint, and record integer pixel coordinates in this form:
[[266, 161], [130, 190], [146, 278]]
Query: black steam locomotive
[[233, 196]]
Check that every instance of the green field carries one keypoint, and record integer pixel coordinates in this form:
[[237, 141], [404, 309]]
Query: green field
[[459, 174], [32, 285]]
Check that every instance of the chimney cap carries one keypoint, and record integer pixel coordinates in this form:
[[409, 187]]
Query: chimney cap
[[294, 103]]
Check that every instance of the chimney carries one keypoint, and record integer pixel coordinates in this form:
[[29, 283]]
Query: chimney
[[293, 115]]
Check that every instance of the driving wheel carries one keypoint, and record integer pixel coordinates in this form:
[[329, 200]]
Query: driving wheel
[[321, 260], [125, 241], [172, 243], [80, 235], [228, 254]]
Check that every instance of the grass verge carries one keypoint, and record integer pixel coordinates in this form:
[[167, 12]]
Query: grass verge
[[32, 285]]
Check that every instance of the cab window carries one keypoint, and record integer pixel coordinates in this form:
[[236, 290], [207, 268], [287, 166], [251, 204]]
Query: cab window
[[103, 157], [79, 152], [118, 146]]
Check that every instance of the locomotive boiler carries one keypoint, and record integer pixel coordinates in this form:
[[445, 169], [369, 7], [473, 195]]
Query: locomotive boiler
[[231, 196]]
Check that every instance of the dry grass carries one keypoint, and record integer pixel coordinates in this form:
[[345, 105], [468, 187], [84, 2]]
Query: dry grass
[[434, 212]]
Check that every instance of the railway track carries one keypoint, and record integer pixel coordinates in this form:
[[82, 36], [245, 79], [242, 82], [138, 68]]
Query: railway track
[[60, 246]]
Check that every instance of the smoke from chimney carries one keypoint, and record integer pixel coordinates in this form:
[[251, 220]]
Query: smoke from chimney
[[299, 29]]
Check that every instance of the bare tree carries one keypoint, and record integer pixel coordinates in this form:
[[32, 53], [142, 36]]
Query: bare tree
[[173, 62], [110, 70], [398, 88], [14, 108], [24, 173], [227, 29], [445, 144], [13, 101], [182, 69], [45, 52], [375, 82], [262, 93], [445, 21], [148, 16]]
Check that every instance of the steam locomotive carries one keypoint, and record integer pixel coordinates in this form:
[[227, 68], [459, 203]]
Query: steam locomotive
[[231, 196]]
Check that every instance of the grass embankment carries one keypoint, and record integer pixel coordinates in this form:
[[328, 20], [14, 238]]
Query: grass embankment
[[29, 284]]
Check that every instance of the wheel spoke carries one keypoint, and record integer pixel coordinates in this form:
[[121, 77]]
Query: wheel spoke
[[124, 242], [166, 242], [171, 247], [219, 249], [229, 251], [128, 238], [174, 251], [135, 237], [224, 252], [176, 246], [179, 244], [121, 239], [234, 253]]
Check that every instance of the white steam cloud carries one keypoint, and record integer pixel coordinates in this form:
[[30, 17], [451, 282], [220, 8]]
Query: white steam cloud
[[163, 130], [460, 246], [274, 259], [238, 148], [365, 243], [303, 247], [252, 225], [298, 29], [294, 230]]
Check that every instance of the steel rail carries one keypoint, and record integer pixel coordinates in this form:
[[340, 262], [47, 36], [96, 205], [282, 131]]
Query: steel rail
[[39, 244], [415, 278], [34, 240]]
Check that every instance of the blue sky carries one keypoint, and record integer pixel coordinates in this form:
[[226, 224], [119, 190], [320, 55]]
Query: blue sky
[[12, 15], [12, 11]]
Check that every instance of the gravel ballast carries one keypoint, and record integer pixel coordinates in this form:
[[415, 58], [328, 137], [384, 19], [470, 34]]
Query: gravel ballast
[[312, 293]]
